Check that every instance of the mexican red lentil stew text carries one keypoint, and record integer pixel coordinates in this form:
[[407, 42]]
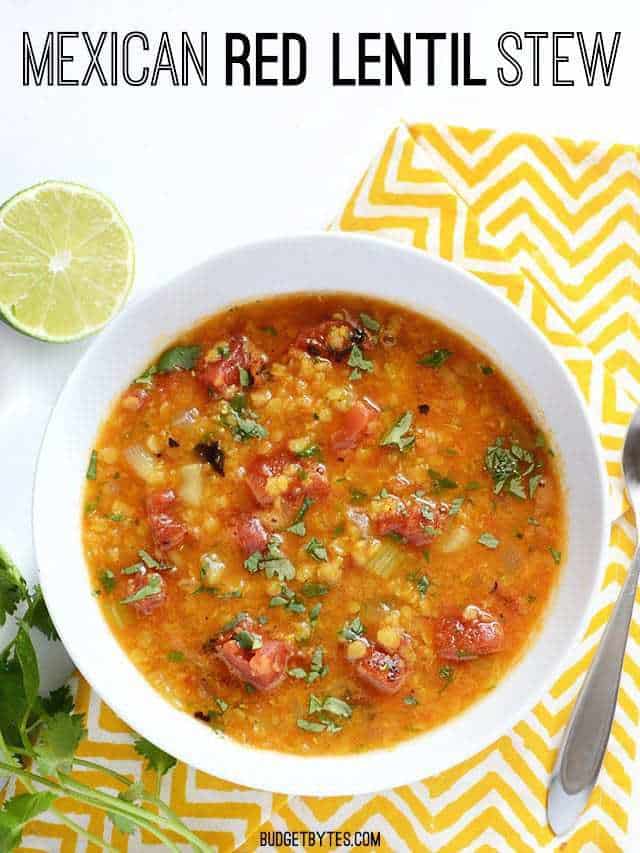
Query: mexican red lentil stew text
[[323, 523]]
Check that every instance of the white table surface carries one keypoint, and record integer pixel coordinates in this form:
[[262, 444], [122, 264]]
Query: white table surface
[[199, 169]]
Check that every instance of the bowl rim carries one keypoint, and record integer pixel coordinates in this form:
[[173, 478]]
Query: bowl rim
[[295, 777]]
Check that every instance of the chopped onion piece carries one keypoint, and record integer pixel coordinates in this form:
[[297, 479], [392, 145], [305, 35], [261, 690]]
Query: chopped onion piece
[[144, 464], [190, 485], [457, 539]]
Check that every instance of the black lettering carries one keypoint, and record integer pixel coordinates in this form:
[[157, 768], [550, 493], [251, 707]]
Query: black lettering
[[32, 68], [468, 79], [535, 38], [336, 78], [455, 59], [513, 62], [559, 58], [431, 39], [263, 58], [365, 59], [165, 61], [393, 58], [191, 57], [126, 66], [289, 79], [63, 59], [241, 58], [94, 60], [598, 58]]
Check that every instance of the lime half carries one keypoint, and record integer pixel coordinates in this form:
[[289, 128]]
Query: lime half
[[66, 261]]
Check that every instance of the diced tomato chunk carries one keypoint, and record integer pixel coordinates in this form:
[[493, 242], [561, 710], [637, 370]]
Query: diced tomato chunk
[[418, 523], [250, 534], [223, 375], [333, 339], [384, 671], [146, 605], [354, 425], [459, 638], [167, 533], [264, 667], [306, 477]]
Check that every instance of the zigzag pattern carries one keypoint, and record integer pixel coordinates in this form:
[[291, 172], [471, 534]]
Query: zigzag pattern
[[555, 226]]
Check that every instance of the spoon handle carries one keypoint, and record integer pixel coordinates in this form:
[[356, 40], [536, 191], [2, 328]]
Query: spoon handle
[[587, 734]]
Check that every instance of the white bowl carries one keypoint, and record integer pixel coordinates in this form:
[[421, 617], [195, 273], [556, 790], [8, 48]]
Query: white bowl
[[315, 263]]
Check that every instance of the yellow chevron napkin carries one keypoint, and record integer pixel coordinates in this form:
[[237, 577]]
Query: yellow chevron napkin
[[555, 225]]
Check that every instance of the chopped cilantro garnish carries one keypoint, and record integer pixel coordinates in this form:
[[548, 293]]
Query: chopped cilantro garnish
[[308, 452], [358, 361], [435, 359], [314, 613], [456, 506], [509, 467], [108, 580], [397, 435], [317, 550], [488, 540], [175, 656], [310, 726], [313, 590], [245, 377], [269, 330], [92, 469], [440, 483], [447, 674], [152, 587], [557, 555], [240, 422], [486, 369], [248, 640], [352, 630], [421, 582], [357, 496], [369, 323], [410, 700], [252, 563], [287, 599], [178, 358], [298, 528], [534, 482]]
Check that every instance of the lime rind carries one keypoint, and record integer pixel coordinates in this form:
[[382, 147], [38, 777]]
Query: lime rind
[[67, 261]]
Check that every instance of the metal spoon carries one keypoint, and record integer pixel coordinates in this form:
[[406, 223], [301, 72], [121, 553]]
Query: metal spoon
[[587, 734]]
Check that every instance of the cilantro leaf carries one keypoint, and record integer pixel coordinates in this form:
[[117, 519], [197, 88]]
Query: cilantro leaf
[[17, 812], [13, 589], [37, 616], [358, 361], [440, 483], [489, 541], [152, 587], [28, 661], [369, 323], [397, 435], [157, 759], [178, 358], [317, 550], [352, 630], [435, 359], [92, 469], [241, 425], [59, 700], [57, 742]]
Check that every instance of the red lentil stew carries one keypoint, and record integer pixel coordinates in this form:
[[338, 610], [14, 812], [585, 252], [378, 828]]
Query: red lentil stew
[[323, 523]]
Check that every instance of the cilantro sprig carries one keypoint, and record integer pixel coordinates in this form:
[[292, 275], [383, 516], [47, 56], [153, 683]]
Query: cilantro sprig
[[44, 733]]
